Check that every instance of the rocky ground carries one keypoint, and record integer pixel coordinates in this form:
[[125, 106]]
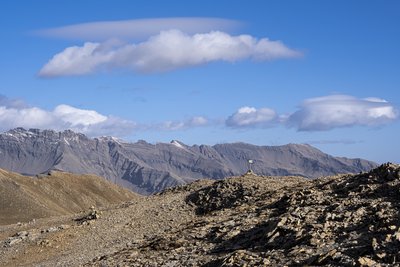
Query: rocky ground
[[346, 220]]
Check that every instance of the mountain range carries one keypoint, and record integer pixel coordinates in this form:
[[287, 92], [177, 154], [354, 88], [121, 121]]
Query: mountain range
[[148, 168]]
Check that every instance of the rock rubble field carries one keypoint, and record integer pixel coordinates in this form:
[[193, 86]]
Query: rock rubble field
[[343, 220]]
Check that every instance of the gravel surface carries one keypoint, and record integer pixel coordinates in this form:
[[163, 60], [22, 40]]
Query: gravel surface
[[345, 220]]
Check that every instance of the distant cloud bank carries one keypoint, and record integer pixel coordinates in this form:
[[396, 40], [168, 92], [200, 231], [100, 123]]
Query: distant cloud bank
[[314, 114], [320, 114], [169, 50], [16, 113], [62, 117]]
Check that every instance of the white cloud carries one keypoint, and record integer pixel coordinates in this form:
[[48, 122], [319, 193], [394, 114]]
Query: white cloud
[[25, 117], [167, 51], [197, 121], [328, 112], [64, 117], [16, 113], [76, 116], [137, 29], [252, 117], [112, 126], [77, 60]]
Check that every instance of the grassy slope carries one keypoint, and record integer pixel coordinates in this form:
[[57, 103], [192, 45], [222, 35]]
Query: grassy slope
[[24, 198]]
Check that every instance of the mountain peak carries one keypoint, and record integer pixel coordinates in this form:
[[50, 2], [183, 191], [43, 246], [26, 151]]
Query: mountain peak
[[177, 143], [110, 139], [22, 133]]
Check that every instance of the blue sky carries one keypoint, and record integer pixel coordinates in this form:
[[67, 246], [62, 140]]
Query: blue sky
[[207, 72]]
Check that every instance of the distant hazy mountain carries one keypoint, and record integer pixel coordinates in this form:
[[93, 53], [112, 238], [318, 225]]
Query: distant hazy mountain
[[147, 168]]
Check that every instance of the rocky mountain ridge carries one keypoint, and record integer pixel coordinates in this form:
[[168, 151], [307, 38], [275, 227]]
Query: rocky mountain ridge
[[148, 168]]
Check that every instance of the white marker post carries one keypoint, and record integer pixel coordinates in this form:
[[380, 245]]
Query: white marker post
[[250, 161]]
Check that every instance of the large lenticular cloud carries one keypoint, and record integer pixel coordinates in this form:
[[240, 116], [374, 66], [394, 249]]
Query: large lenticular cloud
[[138, 29], [166, 51], [334, 111]]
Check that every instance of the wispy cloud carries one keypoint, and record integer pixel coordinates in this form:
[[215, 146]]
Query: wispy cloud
[[335, 111], [197, 121], [315, 114], [166, 51], [248, 117], [12, 103], [335, 142], [138, 29]]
